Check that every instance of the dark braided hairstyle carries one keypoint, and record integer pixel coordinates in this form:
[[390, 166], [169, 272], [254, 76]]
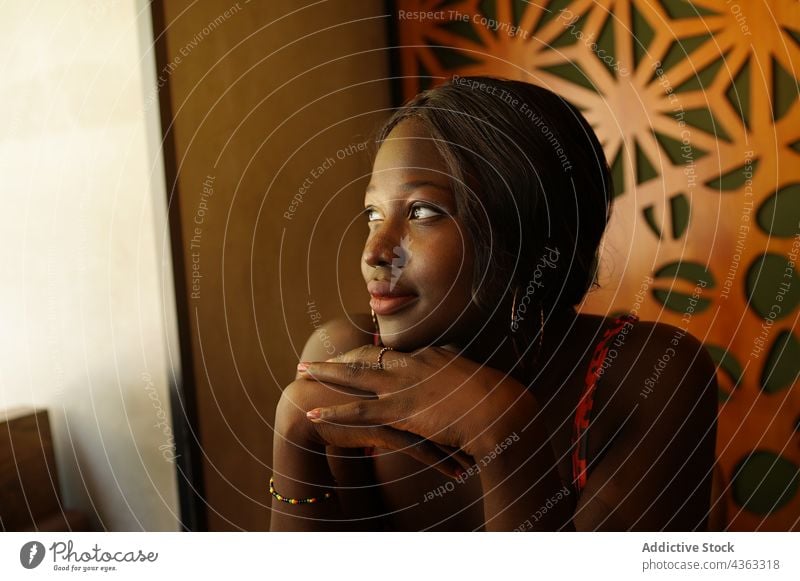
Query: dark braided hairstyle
[[528, 174]]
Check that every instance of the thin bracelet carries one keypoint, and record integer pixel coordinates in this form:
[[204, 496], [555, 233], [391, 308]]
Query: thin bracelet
[[310, 500]]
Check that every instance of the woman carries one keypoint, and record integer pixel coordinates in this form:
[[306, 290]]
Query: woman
[[476, 397]]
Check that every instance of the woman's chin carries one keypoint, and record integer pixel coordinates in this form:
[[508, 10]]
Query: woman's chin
[[401, 339], [399, 342], [409, 336]]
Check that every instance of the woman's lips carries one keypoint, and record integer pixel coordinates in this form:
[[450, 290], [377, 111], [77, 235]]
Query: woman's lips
[[388, 305], [387, 297]]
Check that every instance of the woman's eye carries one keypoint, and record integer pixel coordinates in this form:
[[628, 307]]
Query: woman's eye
[[372, 214], [422, 212]]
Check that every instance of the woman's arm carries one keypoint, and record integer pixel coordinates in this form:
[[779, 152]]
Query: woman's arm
[[308, 457], [301, 470], [657, 474], [461, 405], [654, 474], [301, 466], [522, 490], [358, 493], [297, 458]]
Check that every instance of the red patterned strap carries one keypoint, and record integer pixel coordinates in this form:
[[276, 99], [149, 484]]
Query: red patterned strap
[[583, 412]]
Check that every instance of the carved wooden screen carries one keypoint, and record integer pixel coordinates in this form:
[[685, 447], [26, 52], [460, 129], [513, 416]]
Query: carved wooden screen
[[697, 107]]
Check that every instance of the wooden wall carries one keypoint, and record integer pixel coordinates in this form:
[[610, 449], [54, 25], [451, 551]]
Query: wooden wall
[[265, 107]]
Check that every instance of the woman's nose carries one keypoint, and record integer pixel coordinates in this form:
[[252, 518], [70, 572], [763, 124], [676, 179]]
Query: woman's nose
[[379, 250], [386, 246]]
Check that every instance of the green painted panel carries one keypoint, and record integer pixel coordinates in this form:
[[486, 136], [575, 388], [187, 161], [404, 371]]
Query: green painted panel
[[650, 220], [552, 11], [685, 9], [704, 120], [678, 152], [772, 286], [643, 35], [779, 214], [679, 302], [463, 29], [783, 364], [763, 482], [452, 58], [644, 169], [692, 272], [739, 93], [785, 90], [488, 8], [681, 48], [671, 146], [729, 365], [605, 43], [734, 179], [518, 8], [572, 72], [703, 78], [794, 34], [679, 205], [618, 172], [572, 33]]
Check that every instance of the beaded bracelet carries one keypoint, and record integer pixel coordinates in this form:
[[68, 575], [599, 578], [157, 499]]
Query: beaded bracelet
[[310, 500]]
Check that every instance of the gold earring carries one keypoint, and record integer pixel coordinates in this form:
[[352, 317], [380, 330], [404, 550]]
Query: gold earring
[[377, 328], [540, 333], [513, 309]]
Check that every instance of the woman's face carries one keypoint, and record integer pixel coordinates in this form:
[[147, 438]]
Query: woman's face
[[417, 260]]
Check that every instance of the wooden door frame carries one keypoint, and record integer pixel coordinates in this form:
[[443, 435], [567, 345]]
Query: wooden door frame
[[183, 388]]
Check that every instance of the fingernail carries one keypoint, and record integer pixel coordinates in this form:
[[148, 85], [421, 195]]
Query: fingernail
[[313, 414], [302, 366]]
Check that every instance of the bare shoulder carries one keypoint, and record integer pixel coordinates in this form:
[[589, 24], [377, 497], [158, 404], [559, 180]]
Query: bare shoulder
[[662, 364], [350, 467], [655, 471], [670, 346], [338, 336]]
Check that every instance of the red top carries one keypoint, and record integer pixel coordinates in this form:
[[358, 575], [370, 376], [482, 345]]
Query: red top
[[583, 412]]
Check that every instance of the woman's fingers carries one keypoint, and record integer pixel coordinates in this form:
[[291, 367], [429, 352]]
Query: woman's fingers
[[419, 448], [353, 374], [464, 460], [358, 374], [389, 411], [364, 412], [303, 390], [422, 450]]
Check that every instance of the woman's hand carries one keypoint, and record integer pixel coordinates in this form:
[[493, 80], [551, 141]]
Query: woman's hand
[[432, 393], [302, 395], [457, 403]]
